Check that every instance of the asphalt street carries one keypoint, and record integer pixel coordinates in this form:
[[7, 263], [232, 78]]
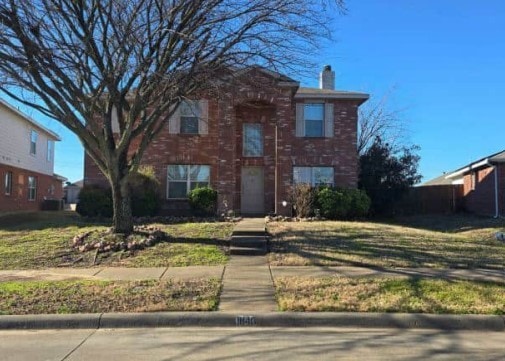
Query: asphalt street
[[250, 343]]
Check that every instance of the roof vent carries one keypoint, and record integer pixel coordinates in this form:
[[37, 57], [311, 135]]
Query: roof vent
[[327, 78]]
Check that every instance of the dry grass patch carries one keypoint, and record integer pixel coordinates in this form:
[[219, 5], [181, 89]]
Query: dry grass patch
[[440, 242], [40, 297], [43, 239], [415, 295]]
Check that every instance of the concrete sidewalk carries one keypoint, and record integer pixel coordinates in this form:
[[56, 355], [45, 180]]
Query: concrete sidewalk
[[112, 273]]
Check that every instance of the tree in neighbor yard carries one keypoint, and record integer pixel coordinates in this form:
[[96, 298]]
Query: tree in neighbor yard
[[87, 62], [386, 173], [377, 119]]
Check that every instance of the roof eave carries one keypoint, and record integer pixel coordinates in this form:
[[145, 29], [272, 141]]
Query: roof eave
[[350, 96], [30, 120]]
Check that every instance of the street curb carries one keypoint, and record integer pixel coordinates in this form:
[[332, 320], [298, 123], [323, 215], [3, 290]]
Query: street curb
[[37, 322], [251, 319]]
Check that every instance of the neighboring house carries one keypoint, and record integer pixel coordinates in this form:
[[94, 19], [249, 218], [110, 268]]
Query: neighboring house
[[483, 185], [26, 162], [253, 140], [71, 191]]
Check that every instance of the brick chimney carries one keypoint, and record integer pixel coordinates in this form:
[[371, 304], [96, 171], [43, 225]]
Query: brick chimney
[[327, 78]]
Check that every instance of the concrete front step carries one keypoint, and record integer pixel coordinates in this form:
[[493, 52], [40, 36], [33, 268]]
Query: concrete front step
[[248, 251], [246, 241], [248, 233]]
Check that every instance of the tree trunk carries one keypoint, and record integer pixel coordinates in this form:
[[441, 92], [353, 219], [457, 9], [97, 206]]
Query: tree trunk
[[121, 203]]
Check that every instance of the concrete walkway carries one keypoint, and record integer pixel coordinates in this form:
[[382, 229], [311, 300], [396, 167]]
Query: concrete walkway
[[112, 273], [247, 281]]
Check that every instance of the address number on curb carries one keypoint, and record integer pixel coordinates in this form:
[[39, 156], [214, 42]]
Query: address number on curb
[[245, 321]]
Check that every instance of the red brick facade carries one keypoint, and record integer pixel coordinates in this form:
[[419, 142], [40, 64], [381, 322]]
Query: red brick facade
[[479, 190], [273, 105], [48, 187]]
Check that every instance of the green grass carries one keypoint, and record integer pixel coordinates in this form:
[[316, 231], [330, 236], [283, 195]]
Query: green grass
[[41, 240], [422, 241], [40, 297], [415, 295]]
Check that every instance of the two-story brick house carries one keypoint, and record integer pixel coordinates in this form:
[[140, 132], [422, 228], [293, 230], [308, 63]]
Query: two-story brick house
[[26, 162], [252, 139]]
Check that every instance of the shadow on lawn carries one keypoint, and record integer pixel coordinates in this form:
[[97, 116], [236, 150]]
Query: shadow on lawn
[[36, 221], [454, 223], [370, 248]]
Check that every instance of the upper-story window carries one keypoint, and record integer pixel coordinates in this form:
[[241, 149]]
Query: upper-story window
[[190, 117], [33, 142], [313, 117], [253, 140], [50, 150]]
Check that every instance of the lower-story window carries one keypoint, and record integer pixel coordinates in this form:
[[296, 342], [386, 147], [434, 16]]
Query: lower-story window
[[8, 183], [182, 178], [32, 188], [315, 176]]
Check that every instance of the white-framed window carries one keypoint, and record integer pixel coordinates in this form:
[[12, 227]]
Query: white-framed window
[[33, 142], [182, 178], [315, 176], [8, 183], [252, 140], [50, 150], [32, 188], [190, 117], [191, 114], [313, 117]]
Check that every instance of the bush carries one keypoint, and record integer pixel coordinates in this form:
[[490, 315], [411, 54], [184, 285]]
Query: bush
[[341, 203], [144, 188], [94, 201], [203, 201], [302, 198], [52, 205]]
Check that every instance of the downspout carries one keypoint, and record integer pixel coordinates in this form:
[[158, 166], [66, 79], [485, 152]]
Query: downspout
[[497, 210], [275, 174]]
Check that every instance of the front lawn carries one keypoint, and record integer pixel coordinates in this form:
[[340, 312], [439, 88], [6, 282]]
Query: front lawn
[[41, 240], [39, 297], [422, 241], [415, 295]]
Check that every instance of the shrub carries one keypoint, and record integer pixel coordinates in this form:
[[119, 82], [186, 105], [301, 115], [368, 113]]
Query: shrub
[[94, 201], [144, 188], [341, 203], [52, 205], [302, 198], [203, 201]]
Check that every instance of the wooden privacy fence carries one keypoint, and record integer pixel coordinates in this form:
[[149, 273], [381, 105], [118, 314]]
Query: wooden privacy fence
[[432, 199]]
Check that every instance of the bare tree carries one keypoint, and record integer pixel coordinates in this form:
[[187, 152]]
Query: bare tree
[[87, 62], [377, 120]]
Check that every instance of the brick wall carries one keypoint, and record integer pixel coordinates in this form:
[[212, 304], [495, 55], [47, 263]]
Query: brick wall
[[259, 100], [480, 198], [47, 188]]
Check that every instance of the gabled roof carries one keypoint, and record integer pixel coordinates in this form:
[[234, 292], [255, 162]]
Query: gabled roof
[[438, 181], [283, 80], [316, 93], [30, 120], [492, 159]]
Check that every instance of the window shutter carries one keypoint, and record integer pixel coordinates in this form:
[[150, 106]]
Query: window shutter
[[328, 120], [114, 120], [203, 120], [174, 123], [300, 124]]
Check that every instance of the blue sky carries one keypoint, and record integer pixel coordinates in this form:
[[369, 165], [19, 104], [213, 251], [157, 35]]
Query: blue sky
[[445, 59]]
